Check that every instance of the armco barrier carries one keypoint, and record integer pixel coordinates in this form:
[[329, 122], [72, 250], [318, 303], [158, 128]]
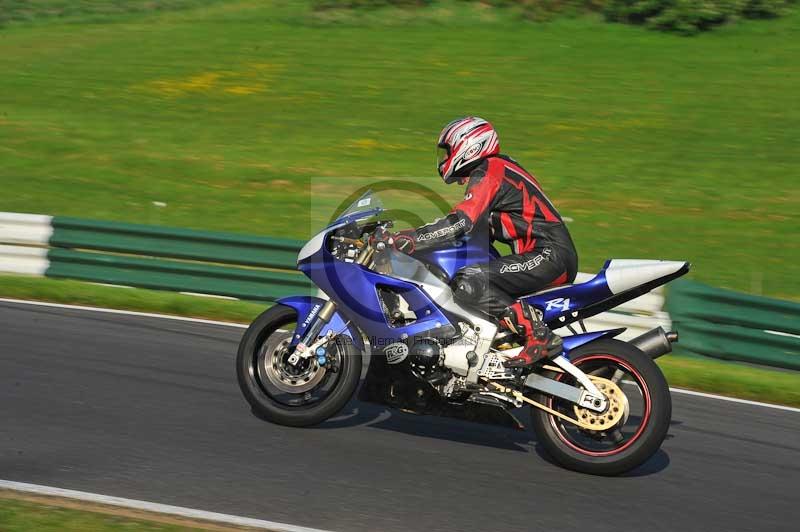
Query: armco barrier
[[23, 259], [159, 274], [185, 260], [28, 229], [175, 243], [734, 326], [23, 243]]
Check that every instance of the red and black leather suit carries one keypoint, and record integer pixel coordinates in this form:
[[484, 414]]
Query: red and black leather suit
[[503, 198]]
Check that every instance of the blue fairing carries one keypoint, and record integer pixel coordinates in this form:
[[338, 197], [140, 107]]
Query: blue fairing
[[559, 304], [354, 288], [577, 340], [305, 305], [473, 249]]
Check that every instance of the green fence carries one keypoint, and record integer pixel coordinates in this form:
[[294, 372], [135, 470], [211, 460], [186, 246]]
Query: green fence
[[735, 326], [226, 264]]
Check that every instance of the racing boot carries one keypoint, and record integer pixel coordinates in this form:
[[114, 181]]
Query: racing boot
[[540, 341]]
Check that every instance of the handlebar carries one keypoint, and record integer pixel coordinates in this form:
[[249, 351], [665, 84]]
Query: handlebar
[[351, 241]]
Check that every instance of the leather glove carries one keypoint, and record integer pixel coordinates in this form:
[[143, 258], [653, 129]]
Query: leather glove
[[400, 241], [404, 243]]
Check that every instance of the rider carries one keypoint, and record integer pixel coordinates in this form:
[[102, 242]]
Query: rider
[[511, 204]]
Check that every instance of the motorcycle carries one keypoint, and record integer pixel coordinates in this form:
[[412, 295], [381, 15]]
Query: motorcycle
[[602, 407]]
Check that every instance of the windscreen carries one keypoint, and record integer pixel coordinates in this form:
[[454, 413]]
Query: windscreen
[[368, 202]]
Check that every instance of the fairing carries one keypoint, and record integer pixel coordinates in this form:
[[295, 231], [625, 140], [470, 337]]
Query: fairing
[[577, 340], [355, 291], [307, 307], [628, 280], [473, 249]]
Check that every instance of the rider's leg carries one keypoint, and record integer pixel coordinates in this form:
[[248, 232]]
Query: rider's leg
[[540, 341], [472, 288], [494, 286]]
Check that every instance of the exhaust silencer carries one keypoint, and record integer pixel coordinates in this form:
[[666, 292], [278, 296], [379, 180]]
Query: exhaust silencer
[[656, 342]]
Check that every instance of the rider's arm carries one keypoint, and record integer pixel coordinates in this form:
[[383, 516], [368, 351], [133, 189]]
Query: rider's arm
[[481, 196]]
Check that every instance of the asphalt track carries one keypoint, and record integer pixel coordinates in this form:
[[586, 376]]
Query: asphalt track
[[149, 409]]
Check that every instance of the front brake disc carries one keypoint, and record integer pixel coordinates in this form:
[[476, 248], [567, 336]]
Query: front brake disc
[[272, 365]]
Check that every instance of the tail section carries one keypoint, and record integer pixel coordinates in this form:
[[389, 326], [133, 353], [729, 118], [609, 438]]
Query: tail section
[[619, 281], [626, 274]]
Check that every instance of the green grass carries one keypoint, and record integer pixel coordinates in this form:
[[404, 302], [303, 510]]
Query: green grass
[[24, 516], [253, 117], [734, 380], [696, 373], [88, 294]]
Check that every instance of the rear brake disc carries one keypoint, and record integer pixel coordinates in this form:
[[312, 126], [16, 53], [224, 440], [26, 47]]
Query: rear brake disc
[[611, 416]]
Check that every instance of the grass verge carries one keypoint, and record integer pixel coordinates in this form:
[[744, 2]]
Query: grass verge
[[23, 513], [701, 374], [732, 379], [88, 294]]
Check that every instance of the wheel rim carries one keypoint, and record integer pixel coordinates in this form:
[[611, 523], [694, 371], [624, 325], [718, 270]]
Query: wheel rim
[[631, 425], [291, 386]]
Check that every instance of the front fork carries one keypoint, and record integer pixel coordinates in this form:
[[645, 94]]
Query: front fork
[[311, 341]]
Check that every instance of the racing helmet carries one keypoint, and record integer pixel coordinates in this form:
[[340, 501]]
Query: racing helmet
[[462, 144]]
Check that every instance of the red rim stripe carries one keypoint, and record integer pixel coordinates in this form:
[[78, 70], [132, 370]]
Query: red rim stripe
[[645, 419]]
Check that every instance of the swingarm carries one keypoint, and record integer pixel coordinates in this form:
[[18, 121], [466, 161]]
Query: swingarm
[[599, 403]]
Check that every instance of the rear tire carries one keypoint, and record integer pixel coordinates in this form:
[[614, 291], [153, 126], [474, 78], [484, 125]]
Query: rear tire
[[261, 394], [647, 436]]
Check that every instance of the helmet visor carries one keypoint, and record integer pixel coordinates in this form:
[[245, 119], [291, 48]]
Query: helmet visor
[[442, 153]]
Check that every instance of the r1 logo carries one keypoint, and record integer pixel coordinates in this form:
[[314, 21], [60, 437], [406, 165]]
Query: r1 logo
[[559, 303]]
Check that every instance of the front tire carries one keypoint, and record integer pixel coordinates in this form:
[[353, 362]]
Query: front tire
[[288, 395], [626, 445]]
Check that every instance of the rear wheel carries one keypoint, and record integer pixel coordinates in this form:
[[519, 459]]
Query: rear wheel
[[645, 409], [296, 395]]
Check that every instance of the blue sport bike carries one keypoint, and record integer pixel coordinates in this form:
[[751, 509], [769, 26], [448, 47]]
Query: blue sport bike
[[603, 407]]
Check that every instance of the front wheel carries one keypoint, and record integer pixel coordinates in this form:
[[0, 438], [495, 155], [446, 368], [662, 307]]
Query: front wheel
[[647, 410], [295, 395]]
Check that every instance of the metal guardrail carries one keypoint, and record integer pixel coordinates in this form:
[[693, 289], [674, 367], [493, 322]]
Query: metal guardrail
[[174, 243], [734, 326], [181, 260], [23, 242]]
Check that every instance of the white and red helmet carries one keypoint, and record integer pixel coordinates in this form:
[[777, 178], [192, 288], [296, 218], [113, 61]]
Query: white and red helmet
[[463, 142]]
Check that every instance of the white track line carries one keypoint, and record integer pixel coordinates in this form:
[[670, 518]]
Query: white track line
[[734, 400], [780, 333], [154, 507], [239, 325]]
